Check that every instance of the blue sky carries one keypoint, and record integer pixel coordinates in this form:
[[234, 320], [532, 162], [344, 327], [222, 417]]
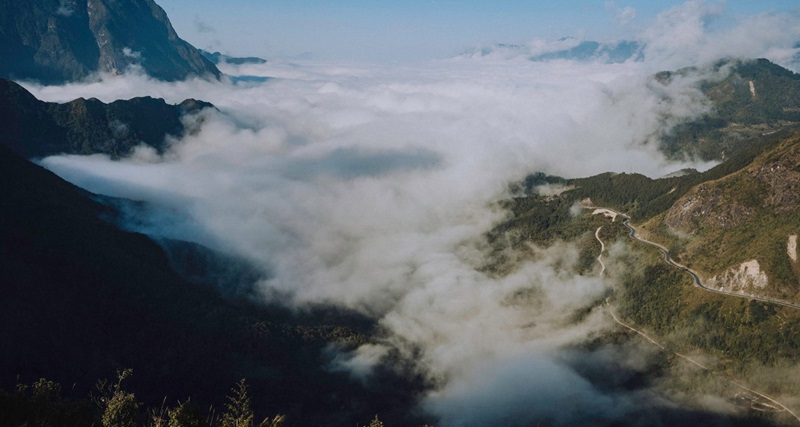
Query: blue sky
[[415, 29]]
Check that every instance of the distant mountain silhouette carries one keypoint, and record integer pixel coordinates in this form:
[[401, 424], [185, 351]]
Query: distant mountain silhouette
[[566, 49], [56, 41], [217, 57]]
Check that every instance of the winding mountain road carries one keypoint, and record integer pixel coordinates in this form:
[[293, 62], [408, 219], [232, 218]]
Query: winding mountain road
[[633, 234], [602, 249]]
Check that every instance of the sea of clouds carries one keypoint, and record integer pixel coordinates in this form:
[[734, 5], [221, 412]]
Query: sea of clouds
[[370, 186]]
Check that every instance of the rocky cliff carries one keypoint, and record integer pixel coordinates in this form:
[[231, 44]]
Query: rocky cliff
[[55, 41]]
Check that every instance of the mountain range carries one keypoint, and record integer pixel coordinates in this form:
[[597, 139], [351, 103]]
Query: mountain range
[[734, 227], [567, 48], [57, 41]]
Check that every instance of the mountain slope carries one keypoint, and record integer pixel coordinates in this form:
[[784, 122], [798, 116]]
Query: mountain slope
[[736, 225], [34, 128], [733, 223], [743, 224], [57, 41]]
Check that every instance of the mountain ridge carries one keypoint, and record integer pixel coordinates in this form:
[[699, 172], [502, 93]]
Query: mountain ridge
[[36, 128]]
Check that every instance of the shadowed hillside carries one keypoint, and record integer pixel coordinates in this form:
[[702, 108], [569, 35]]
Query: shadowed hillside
[[34, 128], [82, 299]]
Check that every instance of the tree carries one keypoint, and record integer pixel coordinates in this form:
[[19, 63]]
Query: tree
[[120, 408], [238, 412], [375, 422]]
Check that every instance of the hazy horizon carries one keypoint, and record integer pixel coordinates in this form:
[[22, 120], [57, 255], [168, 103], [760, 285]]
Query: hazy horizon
[[423, 30]]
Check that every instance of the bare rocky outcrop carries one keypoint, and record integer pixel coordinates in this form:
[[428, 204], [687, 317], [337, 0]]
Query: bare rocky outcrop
[[747, 276], [773, 182]]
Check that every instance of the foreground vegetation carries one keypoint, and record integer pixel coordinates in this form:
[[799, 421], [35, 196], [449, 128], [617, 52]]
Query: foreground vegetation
[[41, 404]]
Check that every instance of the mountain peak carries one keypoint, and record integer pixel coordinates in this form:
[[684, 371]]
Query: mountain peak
[[59, 41]]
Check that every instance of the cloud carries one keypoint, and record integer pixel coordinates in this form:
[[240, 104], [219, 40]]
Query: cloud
[[684, 35], [132, 54], [201, 26], [369, 187], [360, 363], [624, 15], [693, 33], [66, 8]]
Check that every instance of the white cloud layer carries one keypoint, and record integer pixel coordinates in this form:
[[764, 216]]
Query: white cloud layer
[[369, 188]]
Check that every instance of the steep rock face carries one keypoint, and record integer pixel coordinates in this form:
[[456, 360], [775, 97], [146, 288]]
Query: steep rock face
[[34, 128], [40, 39], [56, 41]]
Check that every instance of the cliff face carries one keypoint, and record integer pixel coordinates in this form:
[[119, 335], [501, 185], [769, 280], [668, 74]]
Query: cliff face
[[56, 41], [34, 128]]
